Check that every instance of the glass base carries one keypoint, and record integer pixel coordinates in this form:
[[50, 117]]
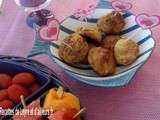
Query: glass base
[[39, 17], [36, 8]]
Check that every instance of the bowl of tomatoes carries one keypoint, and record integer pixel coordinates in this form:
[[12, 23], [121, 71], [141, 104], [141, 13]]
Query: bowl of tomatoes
[[23, 77]]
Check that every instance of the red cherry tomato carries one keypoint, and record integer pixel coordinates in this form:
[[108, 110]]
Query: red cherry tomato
[[69, 114]]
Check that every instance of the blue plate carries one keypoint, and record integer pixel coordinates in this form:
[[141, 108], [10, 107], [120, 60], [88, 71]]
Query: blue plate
[[45, 76]]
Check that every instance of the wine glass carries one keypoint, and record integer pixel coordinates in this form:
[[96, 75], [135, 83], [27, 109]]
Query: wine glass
[[38, 14]]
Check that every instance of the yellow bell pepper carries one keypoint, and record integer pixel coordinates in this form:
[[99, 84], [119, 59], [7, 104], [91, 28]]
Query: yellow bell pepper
[[55, 102]]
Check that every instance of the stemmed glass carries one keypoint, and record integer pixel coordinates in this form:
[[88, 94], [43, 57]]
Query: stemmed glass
[[38, 14]]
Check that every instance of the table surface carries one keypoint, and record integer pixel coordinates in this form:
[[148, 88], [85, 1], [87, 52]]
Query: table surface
[[140, 100]]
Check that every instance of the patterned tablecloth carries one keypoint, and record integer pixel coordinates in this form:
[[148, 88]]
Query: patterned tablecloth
[[138, 101]]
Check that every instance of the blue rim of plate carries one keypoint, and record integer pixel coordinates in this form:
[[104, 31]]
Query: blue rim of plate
[[26, 62]]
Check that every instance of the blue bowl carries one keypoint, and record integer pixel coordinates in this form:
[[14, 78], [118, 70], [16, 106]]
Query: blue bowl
[[45, 76]]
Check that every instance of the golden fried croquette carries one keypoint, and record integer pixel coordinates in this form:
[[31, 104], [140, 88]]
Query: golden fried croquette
[[110, 41], [90, 46], [102, 61], [126, 51], [73, 49], [91, 33], [111, 23]]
